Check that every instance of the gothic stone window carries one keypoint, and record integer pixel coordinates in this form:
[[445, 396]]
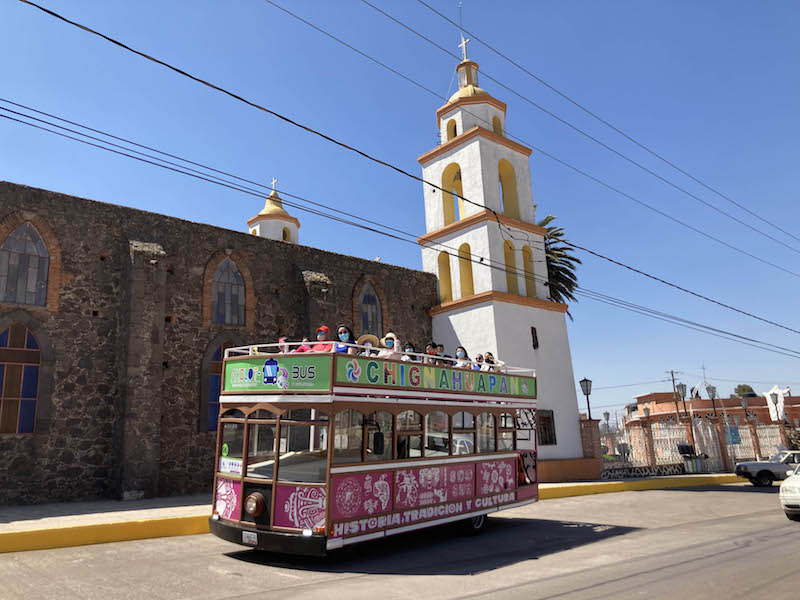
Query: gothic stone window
[[369, 311], [24, 262], [213, 372], [20, 358], [546, 426], [227, 295]]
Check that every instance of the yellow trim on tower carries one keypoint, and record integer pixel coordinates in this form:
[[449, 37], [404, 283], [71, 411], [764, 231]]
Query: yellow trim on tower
[[493, 296], [484, 215], [498, 104], [468, 135], [277, 217]]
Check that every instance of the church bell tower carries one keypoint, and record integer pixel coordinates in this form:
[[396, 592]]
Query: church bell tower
[[487, 252]]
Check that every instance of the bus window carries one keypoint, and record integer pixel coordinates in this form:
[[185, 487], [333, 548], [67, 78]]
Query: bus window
[[306, 414], [437, 434], [347, 443], [378, 430], [233, 413], [505, 434], [261, 414], [231, 450], [261, 450], [463, 433], [303, 453], [486, 437], [409, 434]]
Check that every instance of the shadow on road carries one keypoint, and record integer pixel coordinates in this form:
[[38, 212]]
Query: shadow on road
[[742, 489], [446, 550]]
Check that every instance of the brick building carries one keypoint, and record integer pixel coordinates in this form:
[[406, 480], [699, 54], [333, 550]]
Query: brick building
[[112, 330]]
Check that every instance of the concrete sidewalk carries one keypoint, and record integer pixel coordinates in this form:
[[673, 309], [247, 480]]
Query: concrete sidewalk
[[43, 526]]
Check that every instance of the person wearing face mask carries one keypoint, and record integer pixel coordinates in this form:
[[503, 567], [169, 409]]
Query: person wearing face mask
[[370, 341], [409, 356], [462, 358], [430, 353], [391, 347], [488, 362], [478, 362], [344, 346], [323, 336]]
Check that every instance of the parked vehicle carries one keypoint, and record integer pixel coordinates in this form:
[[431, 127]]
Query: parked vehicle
[[763, 473], [790, 494]]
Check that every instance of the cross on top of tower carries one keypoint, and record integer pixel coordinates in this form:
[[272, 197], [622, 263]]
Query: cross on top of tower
[[274, 181], [463, 46]]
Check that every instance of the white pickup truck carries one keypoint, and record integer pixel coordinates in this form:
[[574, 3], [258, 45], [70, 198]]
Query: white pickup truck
[[763, 473]]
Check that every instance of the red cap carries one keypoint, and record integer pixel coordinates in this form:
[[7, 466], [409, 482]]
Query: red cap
[[323, 328]]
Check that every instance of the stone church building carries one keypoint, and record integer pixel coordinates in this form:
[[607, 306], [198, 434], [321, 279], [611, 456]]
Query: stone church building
[[113, 321], [112, 326]]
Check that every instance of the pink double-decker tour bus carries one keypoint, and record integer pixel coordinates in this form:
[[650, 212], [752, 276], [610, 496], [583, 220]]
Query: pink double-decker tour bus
[[316, 451]]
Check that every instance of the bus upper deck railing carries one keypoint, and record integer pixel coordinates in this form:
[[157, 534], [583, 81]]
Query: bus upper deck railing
[[274, 369]]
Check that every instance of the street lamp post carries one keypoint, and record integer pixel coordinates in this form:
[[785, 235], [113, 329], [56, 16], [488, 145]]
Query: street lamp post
[[681, 389], [586, 387], [606, 416], [744, 408], [712, 393], [774, 397]]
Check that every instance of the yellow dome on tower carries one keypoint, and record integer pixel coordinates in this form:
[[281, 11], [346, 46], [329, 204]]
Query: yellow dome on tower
[[274, 205]]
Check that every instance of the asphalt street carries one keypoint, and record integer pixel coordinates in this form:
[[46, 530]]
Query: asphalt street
[[729, 541]]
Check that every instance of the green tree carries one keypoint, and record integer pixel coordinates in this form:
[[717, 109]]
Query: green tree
[[740, 390], [561, 263]]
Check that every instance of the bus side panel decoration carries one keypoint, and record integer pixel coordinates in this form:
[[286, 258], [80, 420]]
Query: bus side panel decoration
[[300, 507], [228, 498], [361, 495]]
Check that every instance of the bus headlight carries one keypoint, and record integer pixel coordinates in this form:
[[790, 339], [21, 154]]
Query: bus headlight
[[255, 504]]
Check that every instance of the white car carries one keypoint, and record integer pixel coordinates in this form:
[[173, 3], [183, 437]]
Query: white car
[[790, 494]]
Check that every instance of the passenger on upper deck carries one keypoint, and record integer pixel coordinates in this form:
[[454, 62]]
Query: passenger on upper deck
[[323, 335], [430, 353], [283, 346], [369, 340], [478, 362], [303, 347], [488, 362], [445, 360], [462, 358], [409, 356], [390, 347], [346, 338]]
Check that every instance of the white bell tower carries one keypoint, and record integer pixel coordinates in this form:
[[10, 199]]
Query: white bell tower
[[488, 254], [273, 222]]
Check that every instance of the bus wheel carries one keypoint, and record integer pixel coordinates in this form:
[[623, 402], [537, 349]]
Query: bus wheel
[[475, 524]]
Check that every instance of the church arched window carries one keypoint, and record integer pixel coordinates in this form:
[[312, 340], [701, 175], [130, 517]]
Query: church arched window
[[24, 263], [527, 265], [370, 314], [451, 182], [508, 189], [511, 268], [451, 129], [227, 294], [212, 385], [465, 271], [287, 235], [445, 281], [20, 359], [497, 125]]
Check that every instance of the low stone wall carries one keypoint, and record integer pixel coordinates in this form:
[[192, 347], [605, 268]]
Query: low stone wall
[[570, 469]]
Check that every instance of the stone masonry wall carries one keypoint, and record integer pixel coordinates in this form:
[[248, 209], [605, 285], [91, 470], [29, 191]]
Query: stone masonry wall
[[95, 337]]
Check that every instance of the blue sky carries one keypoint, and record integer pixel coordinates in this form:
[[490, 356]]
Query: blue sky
[[713, 86]]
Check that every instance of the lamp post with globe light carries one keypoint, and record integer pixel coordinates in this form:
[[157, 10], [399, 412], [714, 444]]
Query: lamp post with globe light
[[712, 393], [681, 388]]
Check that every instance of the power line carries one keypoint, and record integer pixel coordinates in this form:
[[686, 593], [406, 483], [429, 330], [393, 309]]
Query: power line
[[593, 295], [624, 385], [582, 291], [608, 124], [368, 156]]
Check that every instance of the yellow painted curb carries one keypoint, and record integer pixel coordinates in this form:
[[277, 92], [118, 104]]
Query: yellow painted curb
[[582, 489], [123, 531], [101, 533]]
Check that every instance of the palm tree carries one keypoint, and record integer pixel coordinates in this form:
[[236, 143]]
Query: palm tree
[[561, 264]]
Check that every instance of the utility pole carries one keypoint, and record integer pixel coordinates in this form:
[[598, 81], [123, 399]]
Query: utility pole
[[675, 396]]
